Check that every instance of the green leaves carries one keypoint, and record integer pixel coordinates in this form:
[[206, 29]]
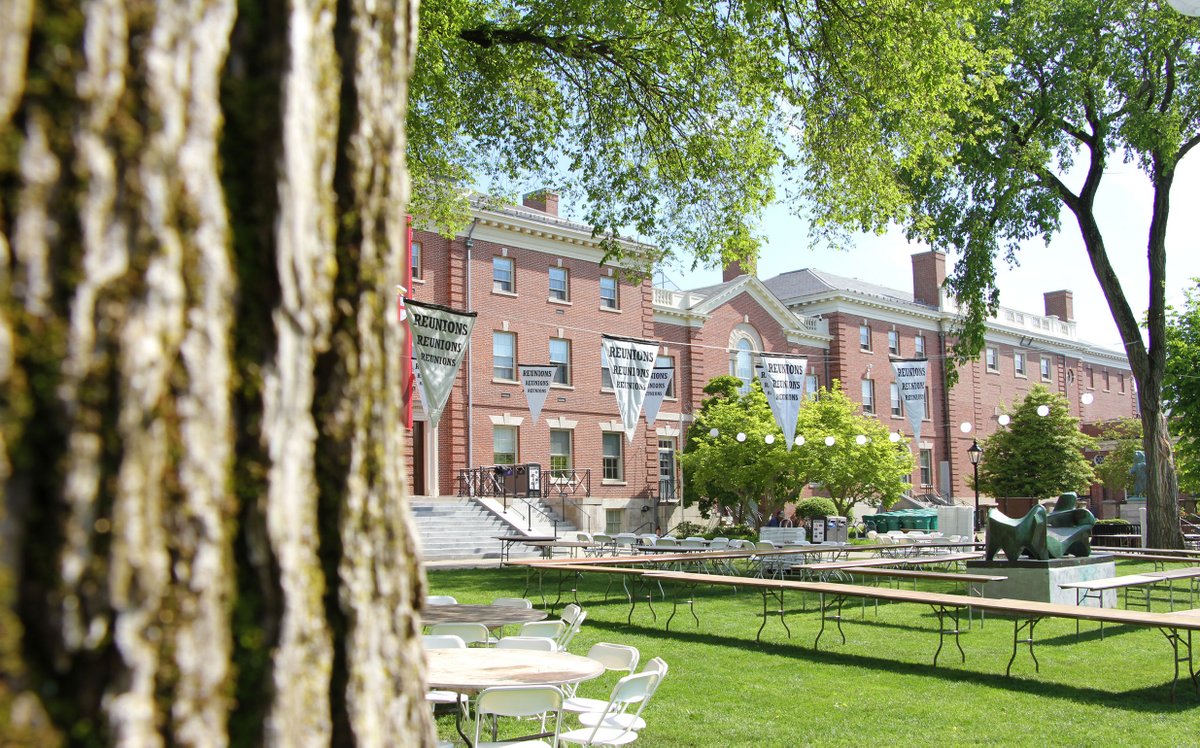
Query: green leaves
[[671, 122], [1181, 387], [1037, 456], [757, 477]]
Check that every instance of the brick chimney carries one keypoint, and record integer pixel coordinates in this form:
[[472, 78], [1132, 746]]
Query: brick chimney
[[735, 268], [929, 273], [1060, 304], [542, 200]]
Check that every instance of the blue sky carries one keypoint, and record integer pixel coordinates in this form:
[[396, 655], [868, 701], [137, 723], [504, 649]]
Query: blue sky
[[1124, 216]]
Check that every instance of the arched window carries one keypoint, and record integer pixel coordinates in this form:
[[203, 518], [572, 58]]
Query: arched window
[[744, 364], [744, 342]]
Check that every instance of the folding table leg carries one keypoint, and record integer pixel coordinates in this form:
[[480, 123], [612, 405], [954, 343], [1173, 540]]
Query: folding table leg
[[778, 595], [837, 601], [941, 611], [1018, 625], [1177, 640], [690, 591]]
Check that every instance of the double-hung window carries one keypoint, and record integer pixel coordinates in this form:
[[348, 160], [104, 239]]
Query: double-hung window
[[609, 298], [560, 359], [504, 445], [502, 275], [613, 457], [560, 287], [504, 355]]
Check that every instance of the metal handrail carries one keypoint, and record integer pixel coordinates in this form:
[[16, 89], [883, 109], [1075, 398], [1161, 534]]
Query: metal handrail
[[486, 481]]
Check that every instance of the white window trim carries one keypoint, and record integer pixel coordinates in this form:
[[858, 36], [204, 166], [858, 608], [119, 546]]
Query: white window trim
[[507, 419]]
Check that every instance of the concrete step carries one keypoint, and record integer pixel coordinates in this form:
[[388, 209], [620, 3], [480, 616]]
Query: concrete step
[[454, 528]]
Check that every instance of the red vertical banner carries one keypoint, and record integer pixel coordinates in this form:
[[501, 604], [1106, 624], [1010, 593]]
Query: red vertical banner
[[406, 349]]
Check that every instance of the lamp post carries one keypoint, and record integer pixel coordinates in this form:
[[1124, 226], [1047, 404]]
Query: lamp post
[[975, 452]]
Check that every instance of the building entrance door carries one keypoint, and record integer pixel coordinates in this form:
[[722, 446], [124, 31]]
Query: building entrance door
[[418, 459], [666, 470]]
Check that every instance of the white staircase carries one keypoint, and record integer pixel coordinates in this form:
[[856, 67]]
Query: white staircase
[[460, 528]]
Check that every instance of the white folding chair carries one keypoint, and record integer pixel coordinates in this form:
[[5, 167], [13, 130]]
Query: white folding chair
[[629, 691], [513, 602], [518, 701], [440, 600], [573, 617], [614, 657], [444, 641], [624, 719], [471, 633], [532, 643]]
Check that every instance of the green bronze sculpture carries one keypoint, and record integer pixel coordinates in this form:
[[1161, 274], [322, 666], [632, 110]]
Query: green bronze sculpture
[[1066, 531]]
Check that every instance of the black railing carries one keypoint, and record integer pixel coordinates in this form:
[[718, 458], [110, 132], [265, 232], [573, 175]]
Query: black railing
[[480, 481], [490, 481], [569, 482]]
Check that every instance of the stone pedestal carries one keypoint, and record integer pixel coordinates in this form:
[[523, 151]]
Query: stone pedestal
[[1030, 579]]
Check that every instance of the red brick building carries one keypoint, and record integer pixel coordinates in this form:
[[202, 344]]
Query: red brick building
[[542, 295]]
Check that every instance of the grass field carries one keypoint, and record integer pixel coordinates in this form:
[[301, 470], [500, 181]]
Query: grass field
[[880, 687]]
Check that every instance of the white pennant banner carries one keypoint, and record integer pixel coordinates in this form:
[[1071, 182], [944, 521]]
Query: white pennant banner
[[660, 382], [630, 364], [910, 380], [782, 379], [440, 337], [536, 380]]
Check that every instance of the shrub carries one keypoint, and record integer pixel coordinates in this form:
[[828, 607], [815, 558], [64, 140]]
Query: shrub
[[817, 506], [1114, 522]]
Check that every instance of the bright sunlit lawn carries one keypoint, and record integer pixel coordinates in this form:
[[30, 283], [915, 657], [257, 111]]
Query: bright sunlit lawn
[[880, 687]]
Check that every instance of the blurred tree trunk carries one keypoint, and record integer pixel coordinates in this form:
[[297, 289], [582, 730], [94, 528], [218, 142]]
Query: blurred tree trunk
[[201, 230]]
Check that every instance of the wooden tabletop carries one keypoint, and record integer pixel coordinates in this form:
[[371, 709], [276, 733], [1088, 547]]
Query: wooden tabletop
[[1112, 583], [488, 615], [472, 670]]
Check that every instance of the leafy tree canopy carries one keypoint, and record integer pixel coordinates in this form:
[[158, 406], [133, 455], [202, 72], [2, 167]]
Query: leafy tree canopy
[[1124, 438], [1181, 387], [750, 477], [1037, 456], [875, 472], [670, 121], [1078, 84]]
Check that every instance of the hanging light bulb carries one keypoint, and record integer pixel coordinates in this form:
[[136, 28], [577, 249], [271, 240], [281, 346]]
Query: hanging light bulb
[[799, 440], [965, 427], [894, 437], [1004, 419], [769, 438], [1043, 410], [1087, 398], [860, 440], [741, 437], [829, 440], [714, 433]]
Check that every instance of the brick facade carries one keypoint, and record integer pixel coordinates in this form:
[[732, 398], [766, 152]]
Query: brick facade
[[808, 313]]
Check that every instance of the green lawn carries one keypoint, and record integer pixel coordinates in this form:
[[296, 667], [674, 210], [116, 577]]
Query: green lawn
[[880, 687]]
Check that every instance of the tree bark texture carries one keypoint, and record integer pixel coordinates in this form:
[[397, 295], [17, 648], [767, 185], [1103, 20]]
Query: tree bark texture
[[1148, 363], [201, 232]]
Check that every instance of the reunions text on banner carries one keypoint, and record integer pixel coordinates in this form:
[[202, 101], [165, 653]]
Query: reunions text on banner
[[536, 379], [782, 379], [910, 380], [440, 337], [630, 364]]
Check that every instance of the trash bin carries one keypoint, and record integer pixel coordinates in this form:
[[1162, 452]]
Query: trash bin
[[523, 480]]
